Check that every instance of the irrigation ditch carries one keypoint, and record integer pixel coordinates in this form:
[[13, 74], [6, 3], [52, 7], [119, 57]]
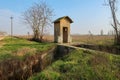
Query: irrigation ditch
[[108, 49], [14, 69]]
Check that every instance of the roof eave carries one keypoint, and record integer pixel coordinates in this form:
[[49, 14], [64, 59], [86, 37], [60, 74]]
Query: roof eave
[[58, 20]]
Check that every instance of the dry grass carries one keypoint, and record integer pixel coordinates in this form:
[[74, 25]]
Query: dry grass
[[1, 42], [94, 39], [49, 38], [1, 37], [24, 51], [82, 65]]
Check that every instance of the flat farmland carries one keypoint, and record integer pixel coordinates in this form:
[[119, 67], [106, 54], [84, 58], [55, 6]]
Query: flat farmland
[[94, 39], [87, 39]]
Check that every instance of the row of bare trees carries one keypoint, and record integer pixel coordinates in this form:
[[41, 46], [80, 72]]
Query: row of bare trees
[[38, 17]]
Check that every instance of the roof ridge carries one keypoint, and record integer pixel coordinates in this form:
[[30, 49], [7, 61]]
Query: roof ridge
[[57, 20]]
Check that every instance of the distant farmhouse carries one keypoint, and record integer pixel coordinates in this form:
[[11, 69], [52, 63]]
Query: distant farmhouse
[[62, 30]]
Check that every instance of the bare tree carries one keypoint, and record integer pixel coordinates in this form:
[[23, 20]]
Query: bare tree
[[101, 33], [90, 33], [38, 17], [116, 24]]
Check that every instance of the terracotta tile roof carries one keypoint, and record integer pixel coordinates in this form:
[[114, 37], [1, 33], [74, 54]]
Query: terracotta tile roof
[[57, 20]]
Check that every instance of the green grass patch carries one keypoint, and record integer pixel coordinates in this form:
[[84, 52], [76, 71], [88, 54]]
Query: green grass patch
[[83, 65], [16, 47]]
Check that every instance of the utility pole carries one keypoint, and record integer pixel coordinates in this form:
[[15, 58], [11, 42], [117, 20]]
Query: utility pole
[[11, 26]]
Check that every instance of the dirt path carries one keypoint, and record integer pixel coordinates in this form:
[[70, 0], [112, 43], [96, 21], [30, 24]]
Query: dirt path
[[1, 42], [1, 37]]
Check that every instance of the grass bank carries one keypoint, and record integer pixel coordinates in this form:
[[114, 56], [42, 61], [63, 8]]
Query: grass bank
[[82, 65], [19, 48]]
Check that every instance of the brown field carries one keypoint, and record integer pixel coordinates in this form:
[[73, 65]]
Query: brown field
[[94, 39], [88, 39], [49, 38]]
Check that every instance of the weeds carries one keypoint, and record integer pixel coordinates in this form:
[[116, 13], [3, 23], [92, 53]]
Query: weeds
[[19, 48], [83, 65]]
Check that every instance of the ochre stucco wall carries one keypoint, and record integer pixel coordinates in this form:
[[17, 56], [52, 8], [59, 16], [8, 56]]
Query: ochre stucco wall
[[58, 30]]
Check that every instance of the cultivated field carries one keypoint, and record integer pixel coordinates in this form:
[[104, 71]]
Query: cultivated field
[[88, 39], [95, 39]]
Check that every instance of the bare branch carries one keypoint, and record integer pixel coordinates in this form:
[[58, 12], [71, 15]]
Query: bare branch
[[116, 24], [38, 17]]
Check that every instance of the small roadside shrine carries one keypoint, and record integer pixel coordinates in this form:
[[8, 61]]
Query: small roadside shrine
[[62, 30]]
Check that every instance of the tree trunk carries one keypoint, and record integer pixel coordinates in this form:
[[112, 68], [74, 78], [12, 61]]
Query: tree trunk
[[112, 4], [36, 35]]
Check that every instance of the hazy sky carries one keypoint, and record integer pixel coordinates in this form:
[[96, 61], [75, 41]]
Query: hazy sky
[[86, 14]]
